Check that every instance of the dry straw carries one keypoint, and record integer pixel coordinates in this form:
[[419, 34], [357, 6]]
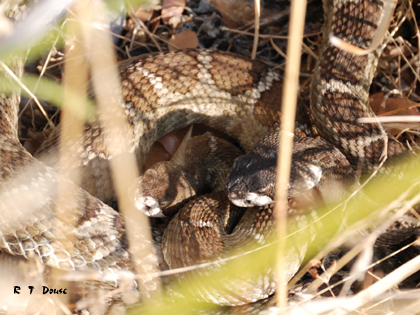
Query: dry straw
[[288, 110]]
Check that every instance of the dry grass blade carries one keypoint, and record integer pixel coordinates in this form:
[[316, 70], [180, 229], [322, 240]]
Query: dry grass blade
[[44, 68], [25, 88], [370, 239], [375, 290], [75, 85], [227, 29], [388, 119], [288, 110], [107, 88], [257, 7]]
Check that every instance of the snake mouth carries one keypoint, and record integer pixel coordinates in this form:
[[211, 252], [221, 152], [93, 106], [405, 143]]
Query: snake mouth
[[251, 200], [149, 206]]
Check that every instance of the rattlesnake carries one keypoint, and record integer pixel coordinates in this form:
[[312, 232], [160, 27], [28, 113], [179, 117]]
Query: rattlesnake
[[168, 91]]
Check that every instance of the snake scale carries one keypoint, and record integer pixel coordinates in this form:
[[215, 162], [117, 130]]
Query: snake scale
[[164, 92]]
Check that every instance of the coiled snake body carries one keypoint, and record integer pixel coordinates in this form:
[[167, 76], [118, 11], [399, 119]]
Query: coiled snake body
[[169, 91]]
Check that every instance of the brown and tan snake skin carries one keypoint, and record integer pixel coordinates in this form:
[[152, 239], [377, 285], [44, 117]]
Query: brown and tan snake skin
[[340, 86], [164, 92]]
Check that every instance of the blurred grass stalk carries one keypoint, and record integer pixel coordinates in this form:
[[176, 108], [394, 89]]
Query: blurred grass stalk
[[257, 13], [287, 128], [75, 81], [107, 86]]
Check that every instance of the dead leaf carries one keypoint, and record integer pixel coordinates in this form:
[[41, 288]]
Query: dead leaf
[[395, 107], [144, 15], [172, 140], [234, 12], [392, 106], [172, 8], [183, 40], [375, 102], [156, 154], [164, 148]]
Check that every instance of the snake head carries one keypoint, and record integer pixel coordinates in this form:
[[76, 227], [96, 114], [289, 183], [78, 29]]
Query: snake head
[[315, 165], [150, 191], [164, 188], [251, 181], [253, 176]]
